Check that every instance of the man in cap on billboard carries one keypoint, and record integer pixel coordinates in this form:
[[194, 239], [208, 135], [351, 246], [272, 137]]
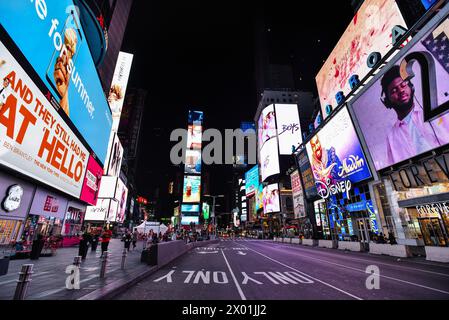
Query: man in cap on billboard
[[410, 135]]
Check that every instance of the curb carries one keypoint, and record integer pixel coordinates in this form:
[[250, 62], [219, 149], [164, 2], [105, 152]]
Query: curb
[[115, 288]]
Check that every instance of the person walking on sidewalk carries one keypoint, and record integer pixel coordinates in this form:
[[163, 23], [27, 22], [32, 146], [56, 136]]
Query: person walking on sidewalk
[[127, 239], [105, 239], [95, 239], [135, 237], [83, 246]]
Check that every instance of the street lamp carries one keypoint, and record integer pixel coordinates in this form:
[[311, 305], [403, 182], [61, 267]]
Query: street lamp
[[213, 210]]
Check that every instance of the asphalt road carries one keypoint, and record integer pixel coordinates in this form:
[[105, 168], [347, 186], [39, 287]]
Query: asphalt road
[[264, 270]]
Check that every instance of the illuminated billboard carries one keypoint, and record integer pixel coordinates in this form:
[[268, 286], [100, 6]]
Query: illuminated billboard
[[266, 129], [193, 162], [252, 181], [194, 136], [370, 31], [34, 138], [98, 212], [190, 208], [271, 199], [403, 112], [337, 158], [121, 194], [195, 118], [288, 128], [115, 159], [117, 92], [187, 220], [269, 159], [206, 210], [108, 187], [306, 175], [298, 196], [51, 38], [192, 189], [92, 182]]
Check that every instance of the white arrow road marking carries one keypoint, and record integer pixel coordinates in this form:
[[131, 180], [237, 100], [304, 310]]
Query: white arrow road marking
[[168, 276], [241, 253], [246, 278], [206, 252]]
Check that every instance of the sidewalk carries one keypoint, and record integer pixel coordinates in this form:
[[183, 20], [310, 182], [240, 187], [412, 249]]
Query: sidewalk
[[48, 280]]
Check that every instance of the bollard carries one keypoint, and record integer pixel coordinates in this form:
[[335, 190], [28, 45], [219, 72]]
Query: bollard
[[104, 261], [123, 259], [24, 280], [77, 261]]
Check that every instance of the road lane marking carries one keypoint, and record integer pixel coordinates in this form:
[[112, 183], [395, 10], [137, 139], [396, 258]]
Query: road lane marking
[[167, 276], [370, 262], [363, 271], [16, 278], [234, 278], [305, 274]]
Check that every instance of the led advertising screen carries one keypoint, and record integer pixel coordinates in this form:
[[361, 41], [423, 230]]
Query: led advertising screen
[[196, 118], [92, 182], [206, 211], [269, 159], [288, 128], [187, 220], [192, 208], [113, 210], [259, 198], [194, 135], [252, 181], [298, 196], [369, 31], [108, 187], [271, 199], [192, 189], [266, 129], [55, 45], [98, 212], [337, 158], [116, 156], [117, 92], [402, 114], [193, 162], [34, 139], [121, 195], [306, 175]]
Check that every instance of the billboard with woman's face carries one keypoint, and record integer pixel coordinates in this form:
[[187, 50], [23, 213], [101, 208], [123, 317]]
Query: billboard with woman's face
[[403, 113]]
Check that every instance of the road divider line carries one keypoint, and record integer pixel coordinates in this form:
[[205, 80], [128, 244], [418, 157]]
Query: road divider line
[[364, 271], [305, 274], [370, 262], [234, 278]]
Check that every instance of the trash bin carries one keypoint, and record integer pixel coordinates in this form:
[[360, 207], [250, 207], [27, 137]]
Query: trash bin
[[149, 255], [4, 266]]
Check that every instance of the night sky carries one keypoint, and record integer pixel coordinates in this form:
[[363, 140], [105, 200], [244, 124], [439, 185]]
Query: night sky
[[200, 55]]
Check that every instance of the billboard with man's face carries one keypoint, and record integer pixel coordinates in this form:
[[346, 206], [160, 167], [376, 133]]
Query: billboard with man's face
[[369, 31], [403, 113]]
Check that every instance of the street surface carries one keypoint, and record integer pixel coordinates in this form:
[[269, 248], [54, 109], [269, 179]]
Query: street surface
[[247, 269]]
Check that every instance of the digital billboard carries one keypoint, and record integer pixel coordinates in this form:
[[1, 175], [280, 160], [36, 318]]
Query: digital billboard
[[252, 181], [192, 189], [266, 129], [269, 159], [55, 45], [190, 208], [187, 220], [115, 158], [98, 212], [259, 198], [298, 196], [34, 138], [108, 187], [113, 210], [306, 175], [194, 136], [206, 210], [403, 113], [196, 118], [288, 128], [271, 199], [121, 195], [369, 31], [337, 158], [193, 162], [92, 182], [117, 92]]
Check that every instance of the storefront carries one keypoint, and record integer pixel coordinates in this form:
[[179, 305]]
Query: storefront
[[322, 222], [16, 196], [46, 215]]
